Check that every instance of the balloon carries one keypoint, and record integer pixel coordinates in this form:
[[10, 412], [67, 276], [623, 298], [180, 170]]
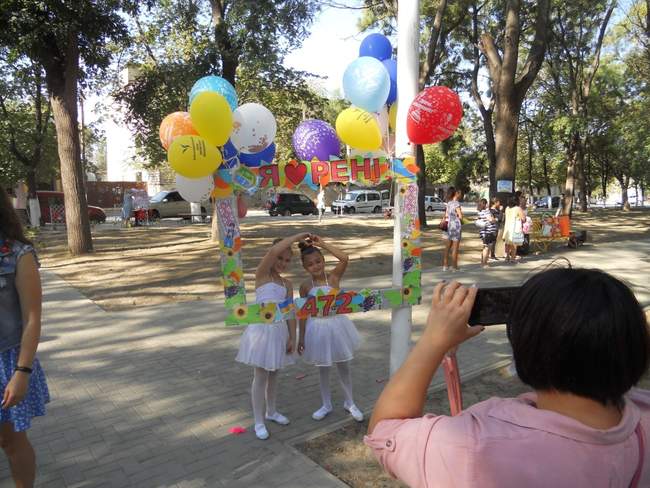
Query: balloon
[[376, 46], [193, 156], [391, 69], [254, 160], [434, 115], [195, 190], [242, 208], [366, 83], [392, 116], [218, 85], [315, 139], [211, 117], [254, 128], [174, 125], [230, 155], [358, 129]]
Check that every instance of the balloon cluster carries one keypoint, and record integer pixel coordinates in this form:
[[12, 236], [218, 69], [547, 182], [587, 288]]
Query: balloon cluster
[[215, 132]]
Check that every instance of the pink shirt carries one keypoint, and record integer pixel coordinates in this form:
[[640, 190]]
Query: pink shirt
[[510, 443]]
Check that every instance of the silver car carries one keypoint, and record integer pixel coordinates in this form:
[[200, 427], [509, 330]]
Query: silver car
[[170, 203], [432, 203]]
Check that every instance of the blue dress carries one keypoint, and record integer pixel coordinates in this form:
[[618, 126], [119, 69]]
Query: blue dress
[[33, 405]]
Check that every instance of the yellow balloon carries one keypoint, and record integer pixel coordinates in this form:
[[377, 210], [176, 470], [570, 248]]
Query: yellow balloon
[[392, 116], [193, 157], [211, 117], [359, 129]]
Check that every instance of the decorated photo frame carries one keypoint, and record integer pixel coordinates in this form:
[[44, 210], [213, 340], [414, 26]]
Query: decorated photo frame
[[363, 171]]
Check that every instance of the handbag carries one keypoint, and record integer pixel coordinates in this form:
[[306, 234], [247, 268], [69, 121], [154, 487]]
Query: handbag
[[444, 223], [517, 233], [480, 223]]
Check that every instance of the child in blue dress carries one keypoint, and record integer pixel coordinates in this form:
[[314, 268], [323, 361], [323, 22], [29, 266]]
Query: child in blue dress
[[269, 347], [24, 390]]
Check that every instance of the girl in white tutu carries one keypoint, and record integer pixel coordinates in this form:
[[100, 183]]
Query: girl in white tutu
[[269, 347], [327, 340]]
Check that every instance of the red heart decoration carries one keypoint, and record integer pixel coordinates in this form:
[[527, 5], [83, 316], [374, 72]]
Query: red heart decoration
[[295, 174]]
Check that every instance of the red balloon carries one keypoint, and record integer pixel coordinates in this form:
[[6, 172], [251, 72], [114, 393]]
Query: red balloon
[[242, 208], [434, 115]]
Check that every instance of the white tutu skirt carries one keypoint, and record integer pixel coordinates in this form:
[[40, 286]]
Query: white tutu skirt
[[265, 346], [330, 340]]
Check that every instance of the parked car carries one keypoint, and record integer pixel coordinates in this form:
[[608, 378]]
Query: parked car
[[170, 203], [291, 203], [432, 203], [53, 208], [543, 202], [360, 201]]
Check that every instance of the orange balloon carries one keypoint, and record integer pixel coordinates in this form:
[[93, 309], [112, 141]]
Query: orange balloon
[[174, 125]]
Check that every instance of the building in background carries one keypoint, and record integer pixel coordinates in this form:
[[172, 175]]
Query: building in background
[[122, 163]]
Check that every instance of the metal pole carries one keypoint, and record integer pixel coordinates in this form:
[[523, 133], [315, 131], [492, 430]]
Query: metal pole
[[408, 34]]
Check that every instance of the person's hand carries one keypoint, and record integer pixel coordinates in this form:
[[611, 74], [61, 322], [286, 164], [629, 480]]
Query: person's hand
[[290, 345], [303, 236], [451, 306], [316, 240], [301, 346], [16, 389]]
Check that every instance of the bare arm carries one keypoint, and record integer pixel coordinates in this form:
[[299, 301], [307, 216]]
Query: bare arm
[[291, 323], [405, 394], [28, 285], [304, 290], [264, 268], [459, 212]]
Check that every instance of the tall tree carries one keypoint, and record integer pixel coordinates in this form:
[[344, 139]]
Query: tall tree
[[574, 58], [60, 36], [510, 81], [25, 118], [239, 40]]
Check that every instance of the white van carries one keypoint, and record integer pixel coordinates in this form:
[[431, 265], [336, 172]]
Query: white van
[[432, 203], [357, 201]]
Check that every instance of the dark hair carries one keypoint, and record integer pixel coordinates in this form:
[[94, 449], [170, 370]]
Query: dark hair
[[276, 240], [512, 202], [10, 226], [482, 204], [306, 249], [451, 191], [580, 331], [495, 200]]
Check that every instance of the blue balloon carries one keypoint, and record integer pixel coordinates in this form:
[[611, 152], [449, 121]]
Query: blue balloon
[[376, 46], [230, 155], [215, 84], [366, 83], [256, 159], [391, 67]]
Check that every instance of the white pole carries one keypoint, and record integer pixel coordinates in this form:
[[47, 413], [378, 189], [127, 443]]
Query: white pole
[[408, 49]]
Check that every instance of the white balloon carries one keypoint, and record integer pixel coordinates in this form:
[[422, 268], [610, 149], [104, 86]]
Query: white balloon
[[195, 190], [254, 128]]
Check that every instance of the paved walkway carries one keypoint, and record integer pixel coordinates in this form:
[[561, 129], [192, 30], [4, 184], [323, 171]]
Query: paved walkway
[[146, 397]]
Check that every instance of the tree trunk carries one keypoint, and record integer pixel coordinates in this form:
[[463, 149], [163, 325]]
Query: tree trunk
[[422, 184], [530, 159], [506, 129], [582, 179], [62, 81], [31, 182], [547, 183]]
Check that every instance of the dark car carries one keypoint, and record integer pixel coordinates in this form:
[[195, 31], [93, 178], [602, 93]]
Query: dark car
[[291, 203], [53, 209], [543, 202]]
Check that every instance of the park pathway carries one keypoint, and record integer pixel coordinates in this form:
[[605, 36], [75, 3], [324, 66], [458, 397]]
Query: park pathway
[[145, 397]]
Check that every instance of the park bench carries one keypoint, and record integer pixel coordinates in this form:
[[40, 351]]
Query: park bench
[[545, 231]]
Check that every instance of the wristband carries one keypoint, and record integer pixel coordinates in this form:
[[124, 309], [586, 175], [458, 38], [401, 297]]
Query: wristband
[[24, 369]]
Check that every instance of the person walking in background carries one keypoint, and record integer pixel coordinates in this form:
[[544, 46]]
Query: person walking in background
[[496, 209], [526, 225], [320, 203], [513, 235], [453, 233], [24, 389], [487, 225]]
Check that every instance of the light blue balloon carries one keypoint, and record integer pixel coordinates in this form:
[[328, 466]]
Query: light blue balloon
[[366, 83], [215, 84]]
